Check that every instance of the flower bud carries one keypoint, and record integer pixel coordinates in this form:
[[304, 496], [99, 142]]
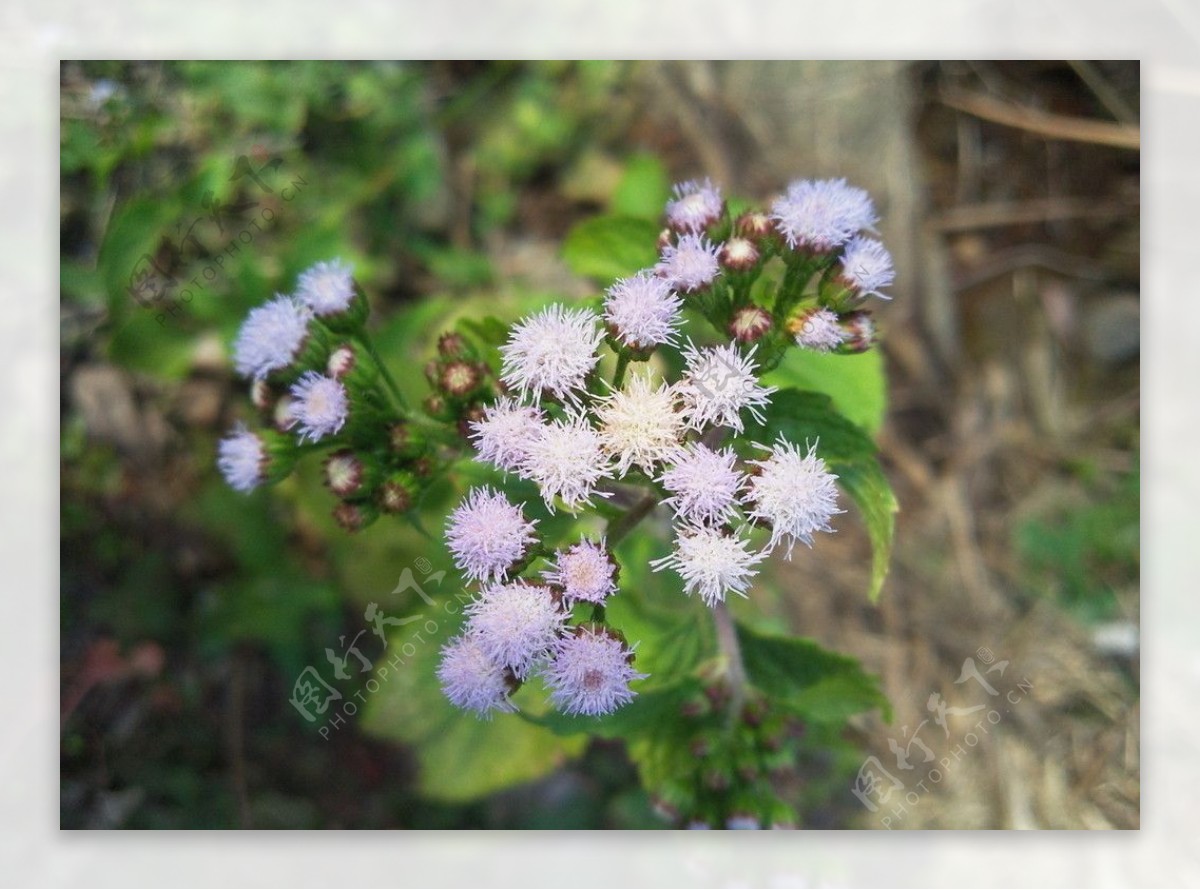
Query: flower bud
[[452, 345], [406, 441], [859, 330], [750, 324], [754, 225], [349, 474], [738, 255], [354, 516], [398, 493]]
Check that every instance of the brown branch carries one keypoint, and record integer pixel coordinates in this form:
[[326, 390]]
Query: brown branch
[[995, 214], [1043, 123]]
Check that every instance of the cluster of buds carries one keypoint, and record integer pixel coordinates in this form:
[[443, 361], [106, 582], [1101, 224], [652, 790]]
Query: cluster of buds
[[318, 387], [735, 776], [831, 266], [577, 435]]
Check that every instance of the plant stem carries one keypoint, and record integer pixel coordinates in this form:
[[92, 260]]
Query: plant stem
[[623, 525], [622, 364], [731, 650], [383, 370]]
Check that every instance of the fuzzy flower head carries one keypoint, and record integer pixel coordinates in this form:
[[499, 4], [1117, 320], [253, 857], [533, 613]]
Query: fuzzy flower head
[[320, 406], [643, 311], [473, 681], [719, 383], [585, 572], [704, 485], [515, 624], [503, 434], [590, 672], [242, 459], [695, 207], [867, 267], [327, 288], [566, 459], [551, 352], [819, 215], [794, 493], [640, 426], [817, 329], [711, 562], [690, 265], [487, 535], [271, 337]]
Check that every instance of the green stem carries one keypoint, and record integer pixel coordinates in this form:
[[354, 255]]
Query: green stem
[[731, 652], [387, 375], [622, 365], [623, 525]]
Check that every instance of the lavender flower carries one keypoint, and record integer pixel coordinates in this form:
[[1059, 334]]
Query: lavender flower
[[690, 265], [794, 493], [819, 215], [867, 267], [704, 485], [695, 207], [487, 535], [585, 572], [590, 672], [472, 680], [271, 337], [242, 459], [320, 406], [551, 352], [327, 288], [817, 329], [515, 624], [642, 311]]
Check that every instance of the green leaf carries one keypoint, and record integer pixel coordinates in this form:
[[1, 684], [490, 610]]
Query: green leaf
[[610, 247], [817, 684], [644, 188], [856, 383], [802, 417], [460, 757]]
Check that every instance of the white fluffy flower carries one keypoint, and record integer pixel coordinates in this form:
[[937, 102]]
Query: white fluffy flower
[[319, 406], [590, 673], [818, 329], [566, 459], [711, 562], [515, 624], [551, 352], [640, 426], [794, 493], [719, 383], [695, 207], [472, 680], [643, 310], [271, 337], [704, 485], [242, 459], [585, 572], [487, 534], [327, 288], [503, 435], [689, 265]]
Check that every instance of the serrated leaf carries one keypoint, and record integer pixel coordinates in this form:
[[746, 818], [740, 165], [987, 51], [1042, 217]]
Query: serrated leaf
[[606, 248], [818, 684], [850, 453], [460, 757]]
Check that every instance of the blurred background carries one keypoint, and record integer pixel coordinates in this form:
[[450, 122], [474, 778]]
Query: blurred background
[[1009, 196]]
